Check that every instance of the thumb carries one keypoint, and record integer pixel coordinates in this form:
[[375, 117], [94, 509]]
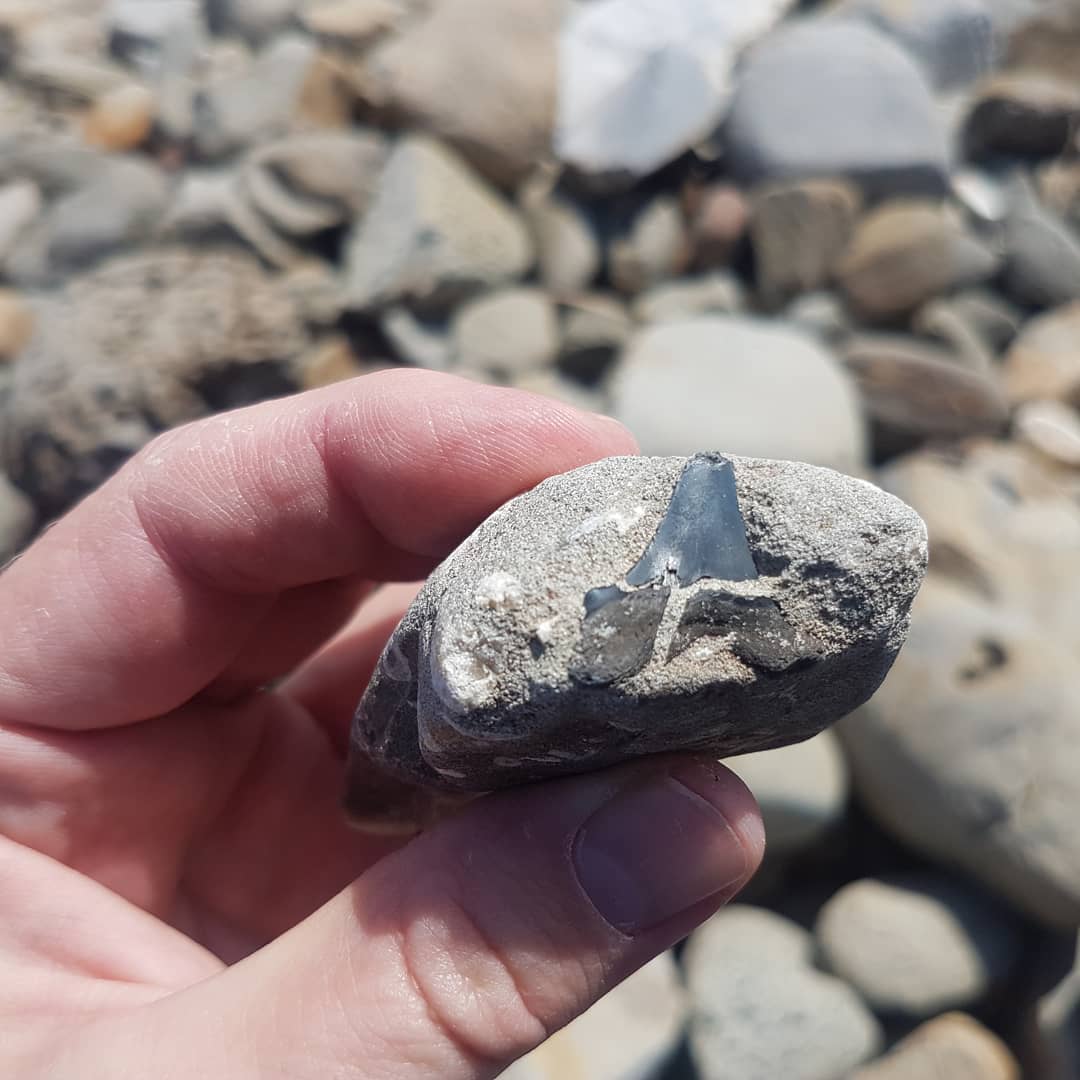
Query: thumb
[[459, 953]]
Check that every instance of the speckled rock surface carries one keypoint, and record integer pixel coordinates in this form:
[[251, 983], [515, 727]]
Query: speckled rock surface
[[645, 605]]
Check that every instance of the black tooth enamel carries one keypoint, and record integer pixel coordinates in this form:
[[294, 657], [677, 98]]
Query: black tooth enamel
[[617, 639], [702, 534], [762, 636]]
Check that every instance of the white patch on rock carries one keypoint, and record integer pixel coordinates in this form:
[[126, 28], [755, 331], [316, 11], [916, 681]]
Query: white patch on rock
[[500, 592], [623, 519]]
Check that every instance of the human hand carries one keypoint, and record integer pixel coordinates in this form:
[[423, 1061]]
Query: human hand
[[179, 893]]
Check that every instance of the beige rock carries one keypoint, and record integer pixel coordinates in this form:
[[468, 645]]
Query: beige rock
[[331, 361], [513, 330], [653, 248], [1051, 428], [719, 219], [480, 74], [951, 1047], [567, 250], [799, 230], [20, 205], [121, 119], [355, 22], [1044, 361], [16, 324], [906, 252]]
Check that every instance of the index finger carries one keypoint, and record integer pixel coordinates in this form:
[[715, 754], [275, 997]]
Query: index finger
[[142, 595]]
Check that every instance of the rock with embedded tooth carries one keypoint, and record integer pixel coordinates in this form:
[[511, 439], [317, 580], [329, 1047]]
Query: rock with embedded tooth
[[639, 606]]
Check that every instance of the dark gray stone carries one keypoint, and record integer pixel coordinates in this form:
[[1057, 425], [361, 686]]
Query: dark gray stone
[[617, 639]]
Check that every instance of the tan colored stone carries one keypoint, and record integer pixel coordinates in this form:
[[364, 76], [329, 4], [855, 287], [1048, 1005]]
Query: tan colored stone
[[331, 361], [906, 252], [326, 99], [719, 216], [16, 324], [1044, 361], [950, 1047], [1051, 428], [355, 22], [121, 119], [800, 229]]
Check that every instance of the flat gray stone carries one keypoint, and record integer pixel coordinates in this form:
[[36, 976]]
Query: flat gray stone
[[811, 100], [544, 645]]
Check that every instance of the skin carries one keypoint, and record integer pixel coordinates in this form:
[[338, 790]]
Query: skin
[[181, 895]]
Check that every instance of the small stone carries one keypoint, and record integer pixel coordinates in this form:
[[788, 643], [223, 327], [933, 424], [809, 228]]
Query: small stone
[[594, 328], [996, 320], [918, 945], [809, 103], [434, 233], [567, 249], [906, 252], [355, 22], [16, 324], [983, 195], [331, 361], [952, 39], [802, 791], [945, 321], [1022, 114], [1051, 428], [20, 206], [915, 391], [122, 119], [759, 1011], [135, 25], [799, 230], [641, 82], [735, 365], [1059, 189], [719, 222], [1042, 264], [671, 301], [68, 76], [501, 674], [953, 1047], [654, 247], [512, 330], [501, 117], [820, 314], [423, 342], [629, 1034], [17, 520], [1044, 361]]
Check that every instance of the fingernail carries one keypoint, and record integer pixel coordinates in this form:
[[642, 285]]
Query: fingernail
[[663, 845]]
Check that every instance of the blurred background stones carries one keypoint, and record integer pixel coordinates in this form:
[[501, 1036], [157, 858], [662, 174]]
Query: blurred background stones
[[844, 231]]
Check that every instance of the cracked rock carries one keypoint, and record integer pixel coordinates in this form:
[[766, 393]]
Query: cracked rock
[[639, 606]]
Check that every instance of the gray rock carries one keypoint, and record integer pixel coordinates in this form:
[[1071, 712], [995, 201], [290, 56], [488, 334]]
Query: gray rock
[[435, 233], [951, 1047], [118, 208], [501, 116], [509, 331], [996, 320], [20, 206], [142, 343], [141, 24], [258, 102], [914, 946], [1051, 428], [907, 251], [952, 39], [736, 367], [640, 82], [950, 324], [629, 1034], [820, 314], [801, 789], [810, 101], [674, 301], [759, 1011], [654, 247], [967, 750], [17, 519], [750, 624], [1042, 266], [799, 230]]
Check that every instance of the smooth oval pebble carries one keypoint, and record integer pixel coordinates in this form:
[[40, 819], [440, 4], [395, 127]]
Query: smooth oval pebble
[[639, 606]]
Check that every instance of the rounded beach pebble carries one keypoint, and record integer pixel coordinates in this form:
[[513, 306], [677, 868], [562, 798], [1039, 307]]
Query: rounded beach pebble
[[639, 606]]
